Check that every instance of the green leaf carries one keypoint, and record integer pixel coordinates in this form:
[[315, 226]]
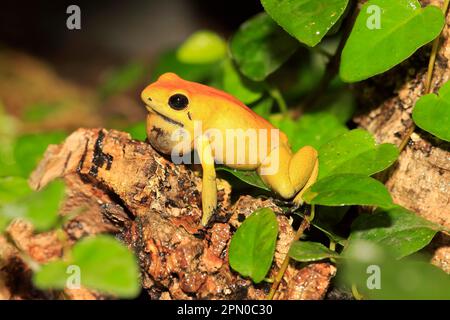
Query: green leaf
[[107, 265], [348, 189], [305, 251], [411, 280], [202, 47], [8, 212], [398, 229], [253, 245], [137, 131], [330, 216], [17, 200], [123, 78], [377, 275], [13, 188], [339, 102], [404, 26], [250, 177], [307, 77], [432, 113], [312, 129], [260, 47], [355, 152], [29, 149], [307, 20], [104, 264], [42, 208], [52, 275], [243, 89]]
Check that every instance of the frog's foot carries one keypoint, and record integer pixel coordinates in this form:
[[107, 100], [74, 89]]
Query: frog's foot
[[294, 174], [298, 200]]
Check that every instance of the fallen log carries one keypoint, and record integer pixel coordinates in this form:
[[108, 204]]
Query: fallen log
[[154, 206]]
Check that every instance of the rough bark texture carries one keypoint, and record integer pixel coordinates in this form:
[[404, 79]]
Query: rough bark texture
[[420, 180], [153, 206]]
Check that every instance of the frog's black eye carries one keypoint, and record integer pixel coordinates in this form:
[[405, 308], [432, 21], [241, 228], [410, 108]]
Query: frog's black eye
[[178, 101]]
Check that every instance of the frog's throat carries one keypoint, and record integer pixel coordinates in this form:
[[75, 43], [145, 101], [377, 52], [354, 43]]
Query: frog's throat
[[166, 118]]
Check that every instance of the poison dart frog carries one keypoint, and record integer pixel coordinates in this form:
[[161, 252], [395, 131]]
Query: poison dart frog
[[231, 134]]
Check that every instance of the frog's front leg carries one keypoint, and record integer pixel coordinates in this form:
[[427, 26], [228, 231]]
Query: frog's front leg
[[209, 187], [288, 174]]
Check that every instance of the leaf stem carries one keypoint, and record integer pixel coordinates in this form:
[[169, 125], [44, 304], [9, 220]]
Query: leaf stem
[[429, 79], [323, 52], [332, 245], [276, 94], [433, 55], [356, 294], [313, 213], [279, 276]]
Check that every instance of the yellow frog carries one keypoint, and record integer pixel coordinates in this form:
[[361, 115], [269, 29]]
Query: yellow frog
[[185, 116]]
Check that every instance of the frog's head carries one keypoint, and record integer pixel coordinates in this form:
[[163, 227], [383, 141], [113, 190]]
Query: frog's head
[[174, 104]]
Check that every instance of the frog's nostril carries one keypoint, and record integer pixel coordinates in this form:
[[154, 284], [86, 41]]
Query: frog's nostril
[[149, 99]]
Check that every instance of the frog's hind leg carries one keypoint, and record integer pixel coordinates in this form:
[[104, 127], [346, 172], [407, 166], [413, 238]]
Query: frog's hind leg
[[311, 180], [303, 170], [293, 173]]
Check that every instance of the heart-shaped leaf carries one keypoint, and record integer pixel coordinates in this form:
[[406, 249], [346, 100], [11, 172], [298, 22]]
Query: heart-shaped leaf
[[432, 113], [253, 245], [305, 251], [386, 33], [355, 152], [397, 228], [348, 189], [260, 47], [307, 20]]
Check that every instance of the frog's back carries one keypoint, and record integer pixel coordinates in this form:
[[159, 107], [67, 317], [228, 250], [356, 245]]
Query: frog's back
[[224, 110]]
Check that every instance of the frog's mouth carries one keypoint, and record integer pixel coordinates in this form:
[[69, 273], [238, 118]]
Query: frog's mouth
[[166, 118]]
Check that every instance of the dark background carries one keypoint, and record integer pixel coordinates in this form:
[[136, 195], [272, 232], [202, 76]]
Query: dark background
[[112, 32]]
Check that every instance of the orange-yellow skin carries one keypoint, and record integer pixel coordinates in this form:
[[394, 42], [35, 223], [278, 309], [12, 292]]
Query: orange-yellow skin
[[221, 112]]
